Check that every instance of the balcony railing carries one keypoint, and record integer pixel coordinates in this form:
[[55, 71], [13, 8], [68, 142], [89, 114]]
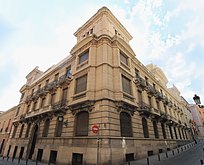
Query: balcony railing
[[140, 82], [158, 95], [151, 90]]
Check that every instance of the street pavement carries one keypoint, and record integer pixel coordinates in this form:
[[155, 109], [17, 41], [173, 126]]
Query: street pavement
[[190, 154], [185, 155]]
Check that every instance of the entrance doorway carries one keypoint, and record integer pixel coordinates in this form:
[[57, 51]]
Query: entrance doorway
[[33, 141]]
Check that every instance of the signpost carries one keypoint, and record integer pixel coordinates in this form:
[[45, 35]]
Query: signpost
[[95, 129]]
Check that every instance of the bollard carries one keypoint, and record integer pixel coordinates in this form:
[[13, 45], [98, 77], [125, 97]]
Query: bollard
[[7, 158], [166, 154], [177, 150], [37, 162], [26, 161], [128, 163], [173, 152], [19, 159], [182, 149], [147, 160], [159, 159], [201, 161]]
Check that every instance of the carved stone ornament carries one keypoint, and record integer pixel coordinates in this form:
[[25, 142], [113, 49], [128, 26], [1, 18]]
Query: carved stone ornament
[[123, 106], [83, 106]]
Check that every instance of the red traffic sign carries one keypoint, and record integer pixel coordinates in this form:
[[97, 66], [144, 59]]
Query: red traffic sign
[[95, 129]]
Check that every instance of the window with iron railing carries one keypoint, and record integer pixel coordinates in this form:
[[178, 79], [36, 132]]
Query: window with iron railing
[[82, 123], [125, 125]]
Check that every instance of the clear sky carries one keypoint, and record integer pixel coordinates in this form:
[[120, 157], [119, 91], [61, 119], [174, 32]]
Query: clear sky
[[168, 33]]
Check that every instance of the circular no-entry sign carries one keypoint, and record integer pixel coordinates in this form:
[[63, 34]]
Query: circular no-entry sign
[[95, 129]]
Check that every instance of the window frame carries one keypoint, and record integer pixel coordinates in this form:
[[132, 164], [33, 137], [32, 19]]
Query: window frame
[[126, 85], [79, 130], [126, 125], [78, 84], [124, 58], [83, 57]]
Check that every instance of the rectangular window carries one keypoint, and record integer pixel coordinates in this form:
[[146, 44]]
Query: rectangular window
[[68, 72], [64, 96], [81, 84], [77, 158], [28, 108], [53, 156], [126, 85], [56, 76], [52, 100], [150, 101], [123, 58], [17, 111], [34, 105], [42, 102], [83, 57], [137, 73]]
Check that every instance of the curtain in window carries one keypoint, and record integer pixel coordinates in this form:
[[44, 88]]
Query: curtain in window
[[81, 84], [145, 128]]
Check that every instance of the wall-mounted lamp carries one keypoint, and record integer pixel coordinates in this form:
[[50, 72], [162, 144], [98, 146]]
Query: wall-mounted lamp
[[61, 119], [196, 98]]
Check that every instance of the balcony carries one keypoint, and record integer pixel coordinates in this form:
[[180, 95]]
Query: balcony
[[140, 82], [60, 106], [151, 90], [64, 80], [52, 86], [28, 98], [158, 95], [165, 100], [144, 109], [163, 116]]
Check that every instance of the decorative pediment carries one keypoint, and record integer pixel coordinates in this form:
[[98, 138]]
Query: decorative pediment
[[82, 106]]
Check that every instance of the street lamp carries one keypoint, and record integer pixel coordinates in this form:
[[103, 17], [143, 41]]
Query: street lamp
[[196, 98]]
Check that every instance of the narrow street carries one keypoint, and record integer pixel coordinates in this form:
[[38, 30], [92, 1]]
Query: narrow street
[[188, 156]]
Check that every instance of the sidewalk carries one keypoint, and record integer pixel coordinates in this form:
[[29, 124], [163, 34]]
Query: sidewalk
[[156, 159], [16, 162]]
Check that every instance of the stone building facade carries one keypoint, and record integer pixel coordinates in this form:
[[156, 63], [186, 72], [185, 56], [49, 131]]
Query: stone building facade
[[198, 118], [6, 119], [101, 83]]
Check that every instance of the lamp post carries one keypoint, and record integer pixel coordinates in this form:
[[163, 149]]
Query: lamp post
[[196, 98]]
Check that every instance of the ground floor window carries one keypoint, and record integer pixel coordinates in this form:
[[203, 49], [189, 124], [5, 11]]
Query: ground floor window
[[77, 159], [129, 157], [53, 156], [40, 153]]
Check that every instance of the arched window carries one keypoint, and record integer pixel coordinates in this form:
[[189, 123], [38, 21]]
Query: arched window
[[28, 130], [145, 128], [125, 125], [46, 128], [21, 131], [163, 130], [59, 125], [82, 123], [156, 134]]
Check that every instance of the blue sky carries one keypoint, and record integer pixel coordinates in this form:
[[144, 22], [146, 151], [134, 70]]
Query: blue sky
[[168, 33]]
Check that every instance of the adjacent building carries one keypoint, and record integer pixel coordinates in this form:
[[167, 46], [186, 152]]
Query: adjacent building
[[6, 119], [198, 119], [103, 85]]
